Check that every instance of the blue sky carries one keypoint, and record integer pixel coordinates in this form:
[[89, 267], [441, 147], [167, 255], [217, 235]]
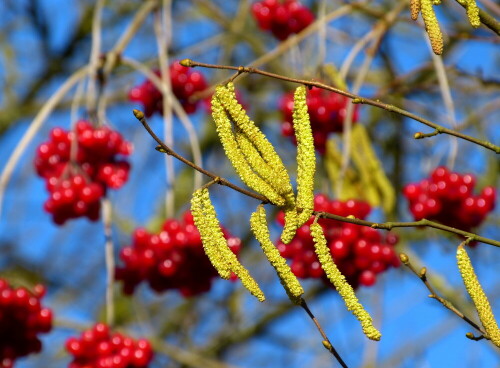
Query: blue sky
[[72, 255]]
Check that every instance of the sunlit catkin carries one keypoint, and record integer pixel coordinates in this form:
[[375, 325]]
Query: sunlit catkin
[[213, 233], [234, 154], [306, 157], [258, 224], [338, 280], [414, 9], [210, 236], [239, 116], [473, 13], [291, 223], [259, 165], [478, 296], [432, 26]]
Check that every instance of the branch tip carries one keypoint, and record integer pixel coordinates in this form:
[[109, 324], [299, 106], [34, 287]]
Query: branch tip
[[188, 63], [139, 115], [404, 258]]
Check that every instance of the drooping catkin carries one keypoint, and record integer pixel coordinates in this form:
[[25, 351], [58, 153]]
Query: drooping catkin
[[258, 224], [213, 230], [432, 26], [306, 157], [210, 236], [234, 154], [478, 296], [239, 116], [258, 164], [414, 9], [291, 223], [473, 13], [338, 280]]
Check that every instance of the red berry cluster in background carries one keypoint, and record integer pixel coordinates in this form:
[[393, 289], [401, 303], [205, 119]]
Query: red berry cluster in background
[[447, 197], [97, 347], [22, 319], [184, 81], [171, 259], [327, 111], [282, 19], [77, 184], [359, 252]]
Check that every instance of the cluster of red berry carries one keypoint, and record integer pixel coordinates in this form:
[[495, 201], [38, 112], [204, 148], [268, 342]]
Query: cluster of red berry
[[22, 318], [184, 81], [447, 197], [327, 111], [282, 19], [359, 252], [78, 176], [97, 347], [171, 259]]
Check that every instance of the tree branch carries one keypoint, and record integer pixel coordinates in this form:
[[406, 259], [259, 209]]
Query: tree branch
[[356, 99]]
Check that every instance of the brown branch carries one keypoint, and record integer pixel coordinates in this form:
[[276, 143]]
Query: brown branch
[[422, 275], [162, 147], [350, 219], [356, 99], [326, 341]]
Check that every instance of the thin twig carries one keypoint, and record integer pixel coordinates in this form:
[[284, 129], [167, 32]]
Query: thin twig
[[444, 88], [162, 147], [326, 341], [422, 275], [110, 260], [356, 99], [95, 50], [162, 37], [34, 127], [380, 30], [178, 110]]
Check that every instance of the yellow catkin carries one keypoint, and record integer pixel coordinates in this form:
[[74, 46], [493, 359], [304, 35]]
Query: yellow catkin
[[432, 26], [306, 157], [414, 9], [473, 13], [478, 296], [228, 99], [290, 227], [210, 236], [291, 284], [234, 154], [228, 257], [338, 280], [258, 164]]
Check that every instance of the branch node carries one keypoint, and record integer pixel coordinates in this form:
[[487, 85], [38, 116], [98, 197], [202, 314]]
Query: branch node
[[423, 273], [327, 345], [471, 336]]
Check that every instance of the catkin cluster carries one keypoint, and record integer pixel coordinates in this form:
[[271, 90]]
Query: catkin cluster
[[478, 296], [431, 22], [258, 224], [215, 245], [338, 280], [256, 161]]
